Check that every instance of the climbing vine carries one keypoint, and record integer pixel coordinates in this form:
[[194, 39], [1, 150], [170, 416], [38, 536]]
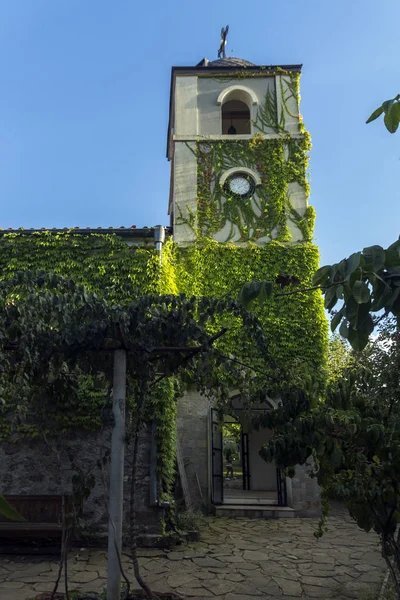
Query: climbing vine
[[295, 326], [277, 162], [163, 409], [104, 263], [109, 267]]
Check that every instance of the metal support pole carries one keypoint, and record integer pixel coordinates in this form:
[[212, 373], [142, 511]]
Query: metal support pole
[[116, 492]]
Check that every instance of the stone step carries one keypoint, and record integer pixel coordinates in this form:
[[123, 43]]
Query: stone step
[[249, 501], [254, 512]]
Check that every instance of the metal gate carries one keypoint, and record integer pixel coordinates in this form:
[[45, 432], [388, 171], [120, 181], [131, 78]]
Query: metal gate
[[245, 461], [217, 459], [281, 487]]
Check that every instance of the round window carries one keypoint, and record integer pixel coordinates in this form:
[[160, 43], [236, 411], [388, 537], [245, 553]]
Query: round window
[[240, 185]]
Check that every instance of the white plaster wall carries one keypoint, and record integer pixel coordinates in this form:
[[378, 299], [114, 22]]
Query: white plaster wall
[[298, 200], [185, 189], [262, 474], [209, 113], [186, 105]]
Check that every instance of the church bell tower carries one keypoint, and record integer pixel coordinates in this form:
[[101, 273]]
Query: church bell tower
[[238, 152]]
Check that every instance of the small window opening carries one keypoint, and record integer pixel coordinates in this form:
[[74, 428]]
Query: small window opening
[[235, 118]]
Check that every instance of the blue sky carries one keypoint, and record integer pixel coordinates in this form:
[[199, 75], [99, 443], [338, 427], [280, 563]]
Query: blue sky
[[85, 92]]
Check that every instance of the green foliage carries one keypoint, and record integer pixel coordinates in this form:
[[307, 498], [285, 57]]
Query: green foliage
[[365, 283], [104, 263], [340, 358], [295, 327], [162, 407], [391, 114], [278, 162], [353, 438], [53, 332], [272, 114]]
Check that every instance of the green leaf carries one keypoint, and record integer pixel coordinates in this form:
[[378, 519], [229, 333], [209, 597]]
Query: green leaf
[[342, 268], [336, 319], [392, 304], [353, 262], [8, 511], [358, 339], [321, 276], [344, 330], [377, 113], [361, 292], [265, 291], [339, 292], [253, 290], [249, 292], [351, 309], [374, 256], [382, 294], [393, 255], [365, 323], [336, 457], [392, 116], [330, 298]]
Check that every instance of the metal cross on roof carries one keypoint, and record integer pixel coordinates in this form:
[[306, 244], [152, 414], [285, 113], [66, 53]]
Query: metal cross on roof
[[222, 44]]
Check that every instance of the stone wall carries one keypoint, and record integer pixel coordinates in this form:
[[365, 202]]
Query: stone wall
[[193, 423], [193, 435], [31, 467], [305, 493]]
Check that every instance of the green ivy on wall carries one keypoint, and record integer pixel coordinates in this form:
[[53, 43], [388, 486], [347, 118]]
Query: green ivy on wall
[[104, 263], [278, 162], [295, 326], [164, 407]]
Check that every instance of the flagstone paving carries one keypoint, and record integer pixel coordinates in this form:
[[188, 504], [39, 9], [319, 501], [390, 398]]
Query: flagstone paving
[[236, 559]]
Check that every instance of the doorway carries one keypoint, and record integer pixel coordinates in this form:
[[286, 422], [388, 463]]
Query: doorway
[[239, 475]]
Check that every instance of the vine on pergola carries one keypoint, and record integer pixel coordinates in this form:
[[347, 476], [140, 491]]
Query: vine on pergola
[[54, 335]]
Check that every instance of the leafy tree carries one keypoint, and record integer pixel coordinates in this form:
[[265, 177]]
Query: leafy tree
[[366, 284], [350, 441], [340, 357]]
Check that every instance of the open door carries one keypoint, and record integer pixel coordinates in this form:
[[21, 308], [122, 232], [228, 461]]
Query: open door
[[217, 459], [245, 461], [281, 487]]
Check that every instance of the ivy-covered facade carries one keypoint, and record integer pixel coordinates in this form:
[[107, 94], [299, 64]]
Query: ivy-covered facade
[[239, 212]]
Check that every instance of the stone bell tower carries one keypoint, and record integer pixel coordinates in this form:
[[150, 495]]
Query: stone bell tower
[[238, 153]]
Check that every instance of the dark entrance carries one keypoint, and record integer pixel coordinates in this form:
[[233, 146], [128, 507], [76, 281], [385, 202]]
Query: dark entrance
[[245, 460], [238, 474], [217, 459], [281, 487]]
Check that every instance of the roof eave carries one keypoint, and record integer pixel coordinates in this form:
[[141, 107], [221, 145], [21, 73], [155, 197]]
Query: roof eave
[[135, 233]]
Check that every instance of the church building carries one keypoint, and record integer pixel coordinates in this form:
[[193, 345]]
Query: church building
[[238, 209]]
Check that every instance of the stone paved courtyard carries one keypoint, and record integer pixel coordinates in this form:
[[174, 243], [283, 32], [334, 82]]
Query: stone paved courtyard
[[235, 560]]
